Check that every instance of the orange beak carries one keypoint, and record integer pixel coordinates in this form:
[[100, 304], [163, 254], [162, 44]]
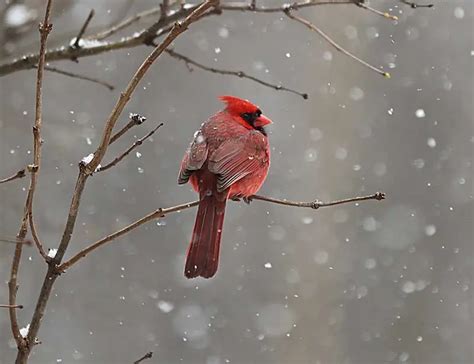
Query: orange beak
[[262, 120]]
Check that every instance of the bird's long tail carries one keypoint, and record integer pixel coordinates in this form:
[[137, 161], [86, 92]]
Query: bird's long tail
[[203, 253]]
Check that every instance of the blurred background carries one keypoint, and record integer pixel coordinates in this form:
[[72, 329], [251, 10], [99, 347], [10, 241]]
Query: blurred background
[[378, 282]]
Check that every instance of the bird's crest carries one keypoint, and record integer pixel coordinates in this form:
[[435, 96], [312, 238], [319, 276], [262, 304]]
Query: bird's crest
[[238, 106]]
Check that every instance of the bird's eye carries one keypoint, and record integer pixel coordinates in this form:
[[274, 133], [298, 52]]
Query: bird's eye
[[248, 117]]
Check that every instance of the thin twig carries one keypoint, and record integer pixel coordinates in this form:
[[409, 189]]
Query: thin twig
[[378, 12], [415, 5], [44, 29], [245, 6], [125, 23], [148, 355], [36, 238], [188, 61], [135, 119], [162, 212], [78, 76], [122, 12], [316, 204], [83, 29], [129, 150], [151, 216], [20, 174], [11, 306], [334, 44], [130, 21]]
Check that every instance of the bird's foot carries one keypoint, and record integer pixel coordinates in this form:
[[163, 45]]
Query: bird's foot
[[248, 199]]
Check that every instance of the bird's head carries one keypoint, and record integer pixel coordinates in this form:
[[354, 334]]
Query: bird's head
[[246, 112]]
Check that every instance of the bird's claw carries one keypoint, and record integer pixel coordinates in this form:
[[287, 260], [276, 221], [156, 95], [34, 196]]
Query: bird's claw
[[248, 199]]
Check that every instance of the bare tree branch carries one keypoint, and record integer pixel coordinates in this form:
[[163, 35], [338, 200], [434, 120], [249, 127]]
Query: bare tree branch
[[96, 46], [316, 204], [36, 238], [162, 212], [239, 74], [122, 12], [129, 150], [148, 355], [44, 29], [66, 52], [415, 5], [125, 23], [333, 43], [78, 76], [378, 12], [77, 40], [20, 174], [132, 20]]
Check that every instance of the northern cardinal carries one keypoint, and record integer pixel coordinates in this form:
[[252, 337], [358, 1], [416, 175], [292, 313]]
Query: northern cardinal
[[229, 157]]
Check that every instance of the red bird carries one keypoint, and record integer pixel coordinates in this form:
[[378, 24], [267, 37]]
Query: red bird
[[229, 157]]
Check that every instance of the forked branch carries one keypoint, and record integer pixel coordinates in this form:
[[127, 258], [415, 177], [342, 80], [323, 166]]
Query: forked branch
[[20, 174], [160, 27], [135, 119], [78, 38], [125, 96], [25, 344], [129, 150]]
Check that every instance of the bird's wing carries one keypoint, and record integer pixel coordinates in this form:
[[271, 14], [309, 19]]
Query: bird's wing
[[194, 157], [236, 158]]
